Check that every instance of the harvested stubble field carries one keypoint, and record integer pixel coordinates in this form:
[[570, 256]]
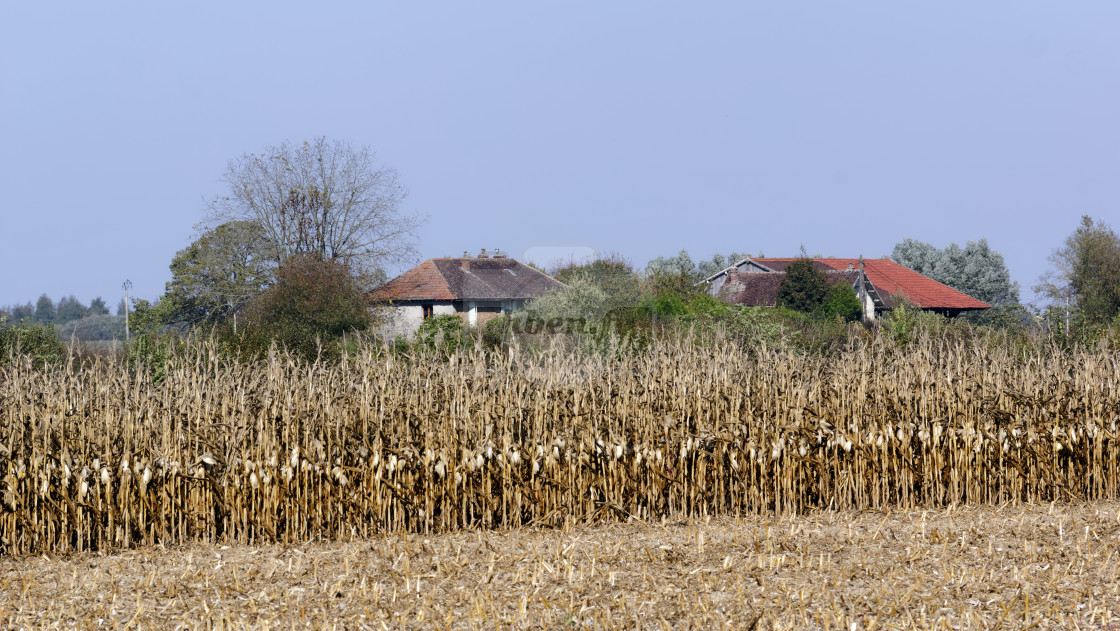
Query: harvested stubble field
[[1008, 567]]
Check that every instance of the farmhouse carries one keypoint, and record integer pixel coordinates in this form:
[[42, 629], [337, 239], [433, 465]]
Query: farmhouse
[[477, 289], [880, 284]]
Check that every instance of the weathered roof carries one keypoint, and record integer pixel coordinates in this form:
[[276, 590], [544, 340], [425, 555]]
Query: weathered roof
[[500, 278], [780, 265], [760, 289], [892, 279]]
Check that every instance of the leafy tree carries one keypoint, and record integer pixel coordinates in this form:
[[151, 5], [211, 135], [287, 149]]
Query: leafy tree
[[804, 288], [583, 298], [94, 328], [681, 266], [97, 307], [122, 308], [217, 274], [69, 308], [324, 198], [664, 305], [23, 312], [311, 301], [718, 263], [44, 310], [151, 318], [1086, 274], [39, 342], [975, 270], [612, 274], [843, 302]]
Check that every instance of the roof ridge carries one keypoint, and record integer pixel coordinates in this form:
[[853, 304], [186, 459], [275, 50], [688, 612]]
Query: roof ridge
[[446, 280]]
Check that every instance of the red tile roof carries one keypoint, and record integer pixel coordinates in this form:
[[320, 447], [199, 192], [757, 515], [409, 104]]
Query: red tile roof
[[499, 278], [890, 278]]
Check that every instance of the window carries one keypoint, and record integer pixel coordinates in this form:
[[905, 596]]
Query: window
[[427, 309]]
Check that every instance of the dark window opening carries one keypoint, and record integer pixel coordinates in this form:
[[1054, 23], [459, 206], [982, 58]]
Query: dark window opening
[[427, 309], [490, 309]]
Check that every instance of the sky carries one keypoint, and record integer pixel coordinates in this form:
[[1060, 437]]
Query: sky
[[637, 128]]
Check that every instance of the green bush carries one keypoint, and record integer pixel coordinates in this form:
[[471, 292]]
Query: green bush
[[703, 306], [444, 333], [582, 298], [151, 352], [906, 323], [663, 306], [497, 333], [93, 328], [843, 303], [400, 346], [40, 342]]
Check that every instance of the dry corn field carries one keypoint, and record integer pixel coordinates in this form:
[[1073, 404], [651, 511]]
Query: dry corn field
[[101, 459]]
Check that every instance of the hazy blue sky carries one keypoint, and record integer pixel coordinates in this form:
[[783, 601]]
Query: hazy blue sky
[[641, 127]]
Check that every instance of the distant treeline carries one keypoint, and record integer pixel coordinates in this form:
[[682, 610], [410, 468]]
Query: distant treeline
[[70, 317]]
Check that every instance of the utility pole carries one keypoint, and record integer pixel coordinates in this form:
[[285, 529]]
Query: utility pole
[[126, 285]]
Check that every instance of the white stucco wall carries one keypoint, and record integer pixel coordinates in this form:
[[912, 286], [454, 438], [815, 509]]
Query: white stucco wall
[[402, 321], [868, 308]]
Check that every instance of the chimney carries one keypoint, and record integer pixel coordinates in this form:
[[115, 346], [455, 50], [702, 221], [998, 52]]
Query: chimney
[[482, 254], [865, 299], [498, 254], [466, 254]]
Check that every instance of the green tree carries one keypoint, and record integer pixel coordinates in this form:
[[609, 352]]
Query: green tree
[[94, 328], [804, 288], [582, 299], [680, 265], [69, 309], [671, 282], [44, 310], [1086, 274], [718, 263], [683, 265], [97, 307], [311, 301], [39, 342], [843, 303], [216, 275], [613, 275], [23, 312], [975, 270]]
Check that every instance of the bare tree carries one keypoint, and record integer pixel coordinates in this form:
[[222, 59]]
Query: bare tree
[[323, 198]]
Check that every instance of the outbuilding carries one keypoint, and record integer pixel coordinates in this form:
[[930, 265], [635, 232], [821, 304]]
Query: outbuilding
[[477, 289], [880, 284]]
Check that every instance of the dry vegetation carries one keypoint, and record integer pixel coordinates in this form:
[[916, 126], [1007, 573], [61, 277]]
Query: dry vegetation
[[1005, 567], [105, 459]]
